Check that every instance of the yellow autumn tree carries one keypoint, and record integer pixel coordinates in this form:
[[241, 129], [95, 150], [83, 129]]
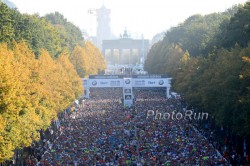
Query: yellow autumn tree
[[87, 60], [61, 84], [29, 121], [8, 111], [51, 97], [18, 113], [74, 81], [32, 92], [96, 60], [79, 60]]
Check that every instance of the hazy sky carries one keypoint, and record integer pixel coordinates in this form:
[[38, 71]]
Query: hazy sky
[[146, 17]]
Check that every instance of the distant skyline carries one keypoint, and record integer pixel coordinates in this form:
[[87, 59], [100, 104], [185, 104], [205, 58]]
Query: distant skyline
[[138, 17]]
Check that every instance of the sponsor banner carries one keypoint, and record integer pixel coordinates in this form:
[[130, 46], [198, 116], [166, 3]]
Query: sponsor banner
[[105, 82], [106, 76], [150, 76], [128, 97], [127, 82], [124, 76], [157, 82], [128, 91], [128, 103]]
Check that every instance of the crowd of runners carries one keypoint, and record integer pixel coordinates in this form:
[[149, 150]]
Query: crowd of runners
[[100, 131]]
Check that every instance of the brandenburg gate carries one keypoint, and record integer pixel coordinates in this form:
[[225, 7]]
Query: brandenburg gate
[[125, 51]]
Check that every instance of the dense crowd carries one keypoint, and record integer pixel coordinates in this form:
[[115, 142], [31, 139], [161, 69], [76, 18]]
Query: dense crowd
[[102, 132]]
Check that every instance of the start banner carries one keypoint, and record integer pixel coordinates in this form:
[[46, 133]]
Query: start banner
[[150, 82], [126, 82], [105, 82]]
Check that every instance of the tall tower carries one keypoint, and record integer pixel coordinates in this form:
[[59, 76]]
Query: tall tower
[[103, 31]]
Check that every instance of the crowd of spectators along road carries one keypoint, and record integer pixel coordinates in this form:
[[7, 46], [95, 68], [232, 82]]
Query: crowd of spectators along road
[[103, 133]]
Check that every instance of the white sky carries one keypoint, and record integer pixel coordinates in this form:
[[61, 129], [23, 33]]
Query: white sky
[[147, 17]]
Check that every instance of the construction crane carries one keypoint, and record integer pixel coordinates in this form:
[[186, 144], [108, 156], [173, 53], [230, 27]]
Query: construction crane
[[92, 11]]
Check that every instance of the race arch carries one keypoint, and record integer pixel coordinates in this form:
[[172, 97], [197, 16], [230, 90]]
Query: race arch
[[127, 83]]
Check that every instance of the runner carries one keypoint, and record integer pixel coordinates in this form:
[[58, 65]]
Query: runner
[[104, 133]]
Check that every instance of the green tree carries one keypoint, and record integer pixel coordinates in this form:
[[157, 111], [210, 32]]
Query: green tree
[[70, 35], [6, 24], [236, 30]]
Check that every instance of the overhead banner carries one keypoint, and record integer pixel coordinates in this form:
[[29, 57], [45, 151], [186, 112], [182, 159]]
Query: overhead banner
[[150, 82], [105, 82], [127, 82], [127, 76], [150, 76], [122, 81], [106, 76]]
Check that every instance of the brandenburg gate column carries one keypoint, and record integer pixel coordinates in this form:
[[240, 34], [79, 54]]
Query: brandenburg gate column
[[112, 56], [120, 56], [103, 53], [130, 55], [142, 55]]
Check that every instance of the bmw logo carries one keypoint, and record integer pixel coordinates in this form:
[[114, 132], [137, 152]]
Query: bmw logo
[[161, 82], [94, 83], [127, 81]]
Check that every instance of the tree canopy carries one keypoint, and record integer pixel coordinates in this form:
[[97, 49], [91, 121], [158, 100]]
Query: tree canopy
[[32, 92], [208, 60], [39, 76], [52, 32], [87, 60]]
